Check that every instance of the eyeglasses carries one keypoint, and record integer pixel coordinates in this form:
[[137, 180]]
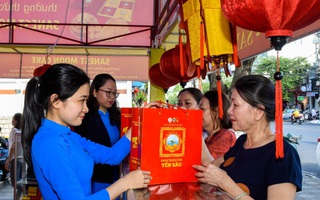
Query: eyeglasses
[[110, 93]]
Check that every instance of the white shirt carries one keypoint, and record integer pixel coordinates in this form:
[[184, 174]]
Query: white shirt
[[15, 134]]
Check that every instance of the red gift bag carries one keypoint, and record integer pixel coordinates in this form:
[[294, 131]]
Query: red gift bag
[[166, 142], [126, 121]]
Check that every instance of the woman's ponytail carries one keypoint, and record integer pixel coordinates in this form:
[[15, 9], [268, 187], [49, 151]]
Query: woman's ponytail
[[33, 112]]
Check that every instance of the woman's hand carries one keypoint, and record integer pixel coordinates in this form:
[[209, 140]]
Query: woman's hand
[[128, 133], [156, 104], [133, 180], [211, 174], [138, 179]]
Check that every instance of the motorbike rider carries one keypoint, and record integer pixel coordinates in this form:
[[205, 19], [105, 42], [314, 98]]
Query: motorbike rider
[[296, 113], [296, 116]]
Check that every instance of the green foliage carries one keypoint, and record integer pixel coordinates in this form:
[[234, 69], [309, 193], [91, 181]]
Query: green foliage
[[294, 71], [226, 80], [205, 86], [172, 96], [141, 96]]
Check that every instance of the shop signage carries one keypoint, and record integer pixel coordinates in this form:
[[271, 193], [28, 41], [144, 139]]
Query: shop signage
[[122, 68]]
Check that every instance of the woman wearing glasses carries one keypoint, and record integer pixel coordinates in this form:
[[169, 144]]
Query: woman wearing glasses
[[102, 125]]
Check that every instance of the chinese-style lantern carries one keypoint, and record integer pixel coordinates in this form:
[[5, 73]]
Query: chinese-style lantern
[[208, 31], [157, 78], [41, 70], [211, 37], [277, 19], [174, 64]]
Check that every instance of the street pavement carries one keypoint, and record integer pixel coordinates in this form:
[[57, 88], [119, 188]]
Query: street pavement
[[310, 189]]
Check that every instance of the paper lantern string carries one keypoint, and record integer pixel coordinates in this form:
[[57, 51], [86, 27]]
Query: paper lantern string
[[219, 90], [278, 111], [202, 42], [181, 55]]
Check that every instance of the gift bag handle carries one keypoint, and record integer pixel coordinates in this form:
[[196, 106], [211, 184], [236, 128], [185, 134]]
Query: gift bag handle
[[166, 105]]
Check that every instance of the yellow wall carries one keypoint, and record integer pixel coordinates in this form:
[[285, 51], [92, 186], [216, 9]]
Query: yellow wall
[[156, 92]]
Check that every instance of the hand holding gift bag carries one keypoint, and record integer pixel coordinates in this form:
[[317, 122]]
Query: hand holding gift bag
[[167, 142]]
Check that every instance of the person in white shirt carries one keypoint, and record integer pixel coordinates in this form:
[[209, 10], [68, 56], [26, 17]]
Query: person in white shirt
[[15, 151], [313, 113]]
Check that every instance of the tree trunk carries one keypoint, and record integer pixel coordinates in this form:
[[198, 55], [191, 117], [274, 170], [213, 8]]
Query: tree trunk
[[213, 82], [244, 69]]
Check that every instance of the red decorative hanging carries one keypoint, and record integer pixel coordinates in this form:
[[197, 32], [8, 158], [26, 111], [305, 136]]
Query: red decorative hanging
[[157, 78], [273, 17], [174, 64], [41, 70], [277, 19]]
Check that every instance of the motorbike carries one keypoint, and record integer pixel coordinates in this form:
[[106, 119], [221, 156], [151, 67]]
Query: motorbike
[[296, 119], [293, 140], [4, 153]]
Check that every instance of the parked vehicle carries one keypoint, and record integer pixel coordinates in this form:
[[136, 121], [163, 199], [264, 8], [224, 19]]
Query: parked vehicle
[[293, 140], [286, 115], [4, 151], [308, 116]]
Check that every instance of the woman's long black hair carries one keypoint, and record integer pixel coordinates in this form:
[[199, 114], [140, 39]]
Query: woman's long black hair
[[61, 79], [93, 105]]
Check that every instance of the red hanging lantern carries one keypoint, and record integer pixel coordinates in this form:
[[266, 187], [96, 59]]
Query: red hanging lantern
[[41, 70], [277, 19], [175, 66], [157, 78]]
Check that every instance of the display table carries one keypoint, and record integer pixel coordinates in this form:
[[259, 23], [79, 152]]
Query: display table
[[180, 191]]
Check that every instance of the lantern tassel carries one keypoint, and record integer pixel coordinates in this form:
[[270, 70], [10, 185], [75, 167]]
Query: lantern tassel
[[202, 46], [181, 56], [278, 112], [198, 72], [235, 56], [219, 90]]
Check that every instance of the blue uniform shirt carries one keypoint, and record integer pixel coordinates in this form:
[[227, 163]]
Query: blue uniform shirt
[[113, 131], [63, 162]]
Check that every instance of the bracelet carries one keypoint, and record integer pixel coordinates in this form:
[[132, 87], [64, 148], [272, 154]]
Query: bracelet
[[241, 195]]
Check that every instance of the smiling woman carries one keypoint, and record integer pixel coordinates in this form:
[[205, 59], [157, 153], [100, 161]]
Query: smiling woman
[[55, 101], [102, 125]]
